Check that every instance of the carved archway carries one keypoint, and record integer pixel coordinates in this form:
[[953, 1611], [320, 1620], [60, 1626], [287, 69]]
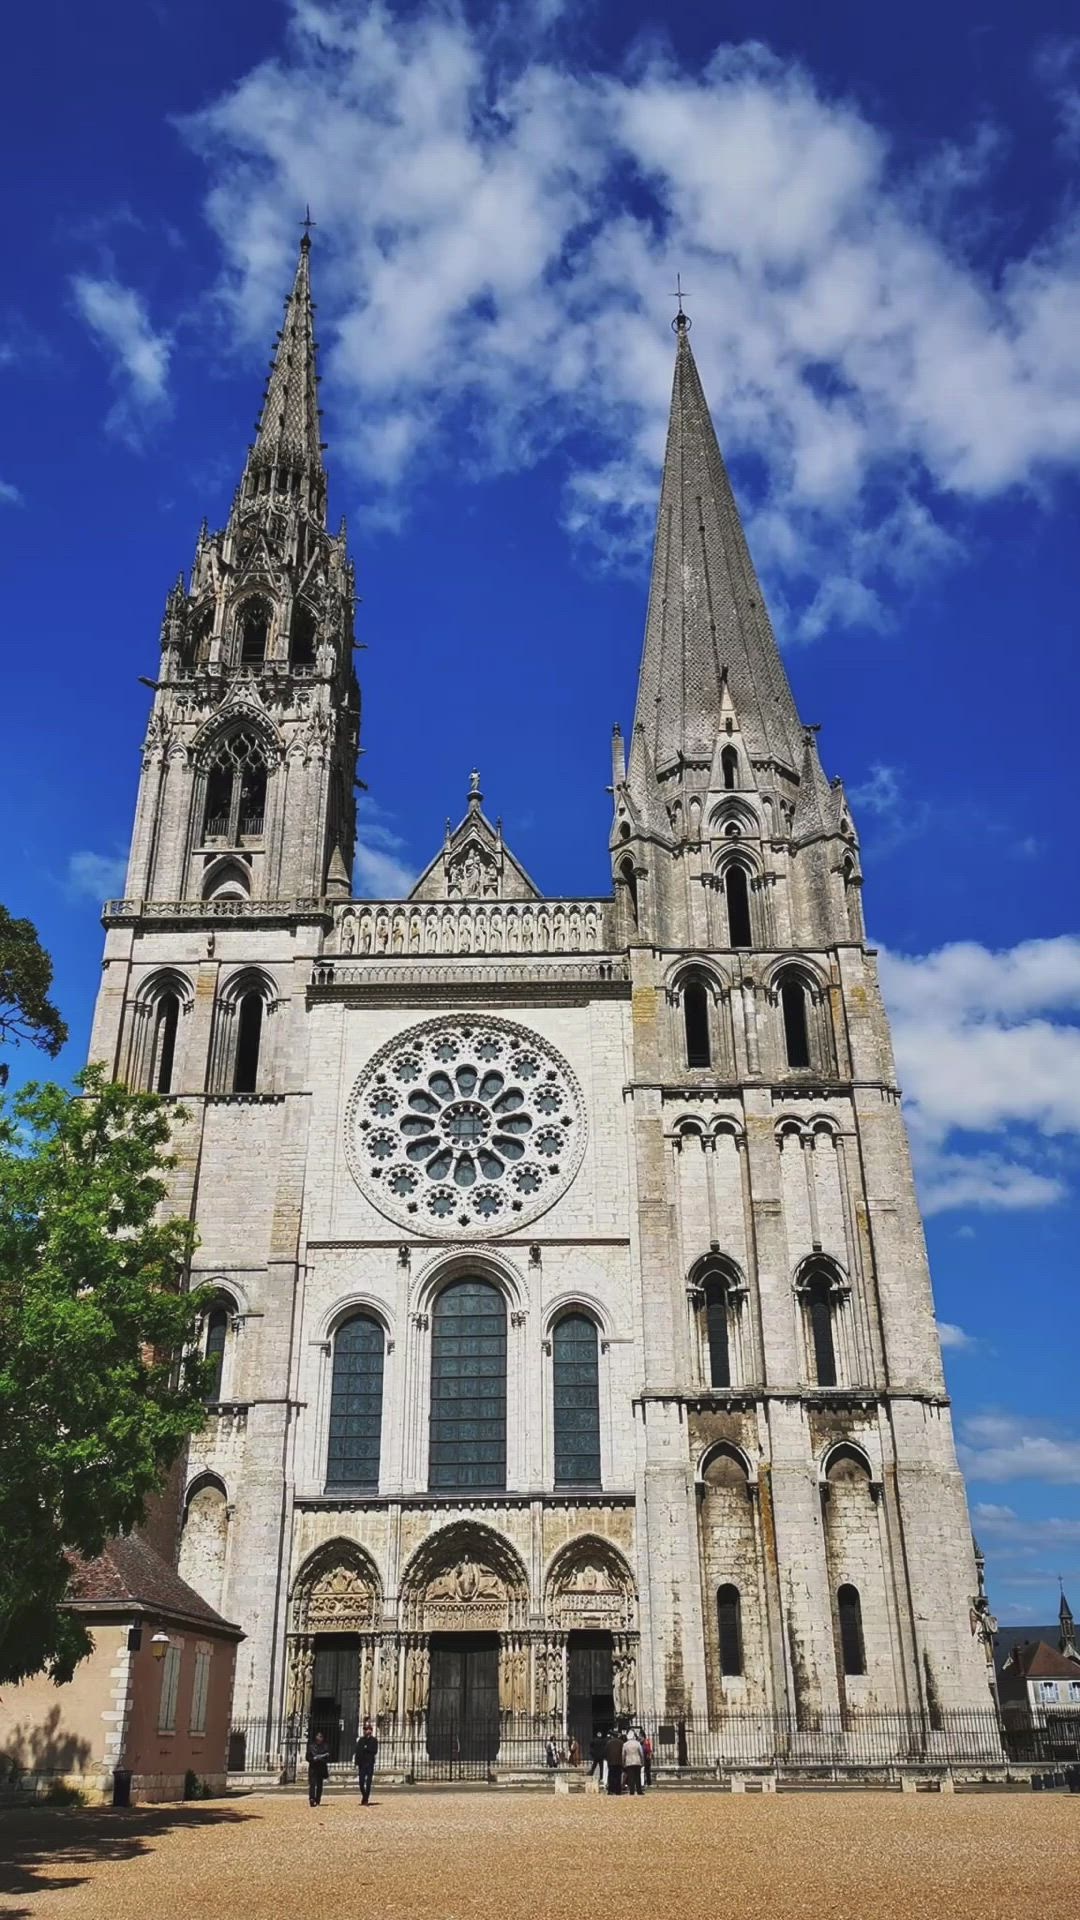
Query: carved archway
[[337, 1590], [466, 1578], [589, 1585]]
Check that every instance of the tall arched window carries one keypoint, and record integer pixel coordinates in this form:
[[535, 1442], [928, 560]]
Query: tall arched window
[[695, 999], [729, 765], [468, 1388], [717, 1307], [577, 1402], [217, 1331], [302, 637], [819, 1308], [729, 1622], [352, 1454], [852, 1646], [737, 895], [629, 880], [796, 1028], [254, 632], [249, 1021], [166, 1021], [235, 804]]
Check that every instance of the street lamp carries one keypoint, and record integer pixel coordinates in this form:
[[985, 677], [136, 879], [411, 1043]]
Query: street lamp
[[158, 1644]]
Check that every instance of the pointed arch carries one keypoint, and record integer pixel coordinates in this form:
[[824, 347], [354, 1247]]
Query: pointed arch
[[252, 622], [338, 1589], [155, 1052], [464, 1565], [242, 1055]]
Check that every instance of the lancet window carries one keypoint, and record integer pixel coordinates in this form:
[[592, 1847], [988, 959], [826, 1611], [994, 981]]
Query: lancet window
[[235, 806]]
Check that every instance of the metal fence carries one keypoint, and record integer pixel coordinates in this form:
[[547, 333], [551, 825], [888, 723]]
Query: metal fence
[[490, 1747]]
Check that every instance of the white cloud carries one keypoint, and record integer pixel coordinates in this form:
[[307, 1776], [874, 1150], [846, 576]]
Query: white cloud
[[381, 870], [989, 1043], [139, 357], [9, 495], [101, 875], [1003, 1446], [1009, 1529], [498, 224], [954, 1337], [1057, 67]]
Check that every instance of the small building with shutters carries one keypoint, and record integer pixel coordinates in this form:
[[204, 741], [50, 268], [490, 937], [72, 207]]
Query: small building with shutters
[[149, 1706]]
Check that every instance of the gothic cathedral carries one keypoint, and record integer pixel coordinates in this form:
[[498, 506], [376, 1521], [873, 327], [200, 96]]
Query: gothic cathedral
[[573, 1338]]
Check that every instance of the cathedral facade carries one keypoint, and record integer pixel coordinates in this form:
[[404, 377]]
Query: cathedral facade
[[574, 1348]]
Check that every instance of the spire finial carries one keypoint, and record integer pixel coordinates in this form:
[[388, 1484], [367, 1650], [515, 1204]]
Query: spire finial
[[475, 795], [682, 322], [307, 223]]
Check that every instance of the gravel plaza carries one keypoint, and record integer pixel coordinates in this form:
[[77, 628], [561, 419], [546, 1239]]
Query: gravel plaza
[[487, 1855]]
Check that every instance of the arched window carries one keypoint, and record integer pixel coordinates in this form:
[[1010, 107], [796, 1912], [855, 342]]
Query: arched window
[[852, 1647], [249, 1020], [819, 1308], [352, 1454], [254, 632], [737, 895], [629, 880], [729, 1621], [717, 1307], [695, 1001], [796, 1028], [302, 637], [166, 1021], [468, 1388], [577, 1402], [729, 764], [235, 804], [217, 1331]]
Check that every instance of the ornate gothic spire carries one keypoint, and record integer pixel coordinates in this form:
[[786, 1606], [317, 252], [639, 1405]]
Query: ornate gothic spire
[[287, 455], [707, 616]]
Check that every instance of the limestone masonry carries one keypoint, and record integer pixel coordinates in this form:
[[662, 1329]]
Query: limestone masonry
[[574, 1338]]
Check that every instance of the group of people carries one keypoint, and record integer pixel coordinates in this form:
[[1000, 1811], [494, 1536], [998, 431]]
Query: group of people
[[625, 1758], [318, 1764]]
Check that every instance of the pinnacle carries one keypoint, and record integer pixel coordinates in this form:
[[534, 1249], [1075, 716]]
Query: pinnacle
[[707, 626]]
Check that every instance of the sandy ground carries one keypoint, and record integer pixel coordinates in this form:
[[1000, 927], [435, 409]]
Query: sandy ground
[[489, 1855]]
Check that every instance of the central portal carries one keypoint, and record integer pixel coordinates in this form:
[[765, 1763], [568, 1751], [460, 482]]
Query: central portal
[[463, 1701], [590, 1690]]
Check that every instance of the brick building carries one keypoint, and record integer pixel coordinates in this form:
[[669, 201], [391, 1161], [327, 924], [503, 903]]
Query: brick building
[[576, 1347]]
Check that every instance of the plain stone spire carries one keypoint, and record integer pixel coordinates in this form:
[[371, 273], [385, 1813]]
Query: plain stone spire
[[706, 610]]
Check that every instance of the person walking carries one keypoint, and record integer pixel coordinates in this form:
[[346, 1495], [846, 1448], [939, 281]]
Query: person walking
[[633, 1759], [646, 1748], [318, 1766], [367, 1748], [574, 1754], [551, 1752], [597, 1749], [613, 1753]]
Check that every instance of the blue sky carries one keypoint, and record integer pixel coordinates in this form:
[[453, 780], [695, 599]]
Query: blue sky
[[875, 213]]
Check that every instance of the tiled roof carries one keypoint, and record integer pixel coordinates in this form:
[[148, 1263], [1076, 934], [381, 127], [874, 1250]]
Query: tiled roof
[[1038, 1661], [129, 1573]]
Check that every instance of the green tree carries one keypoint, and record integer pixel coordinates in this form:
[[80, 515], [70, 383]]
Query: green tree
[[26, 1012], [99, 1387]]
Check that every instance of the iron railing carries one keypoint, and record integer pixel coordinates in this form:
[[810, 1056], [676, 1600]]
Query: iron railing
[[497, 1746]]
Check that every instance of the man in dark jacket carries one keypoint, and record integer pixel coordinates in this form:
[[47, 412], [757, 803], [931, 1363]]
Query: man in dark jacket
[[366, 1748], [597, 1748], [318, 1766], [614, 1761]]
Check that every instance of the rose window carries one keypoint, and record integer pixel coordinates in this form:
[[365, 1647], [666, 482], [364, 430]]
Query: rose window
[[474, 1127]]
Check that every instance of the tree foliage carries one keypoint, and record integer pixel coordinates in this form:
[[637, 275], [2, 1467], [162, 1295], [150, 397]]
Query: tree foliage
[[26, 1012], [99, 1387]]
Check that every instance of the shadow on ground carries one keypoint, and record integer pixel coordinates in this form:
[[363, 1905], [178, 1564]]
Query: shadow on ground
[[43, 1848]]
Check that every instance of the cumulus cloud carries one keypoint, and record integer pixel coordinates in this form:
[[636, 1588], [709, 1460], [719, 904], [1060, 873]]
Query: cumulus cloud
[[954, 1337], [100, 875], [1003, 1525], [10, 496], [138, 356], [1057, 68], [988, 1043], [383, 870], [498, 224], [1005, 1446]]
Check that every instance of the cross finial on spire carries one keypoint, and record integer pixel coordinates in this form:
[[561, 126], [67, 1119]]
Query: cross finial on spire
[[307, 223], [682, 321]]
